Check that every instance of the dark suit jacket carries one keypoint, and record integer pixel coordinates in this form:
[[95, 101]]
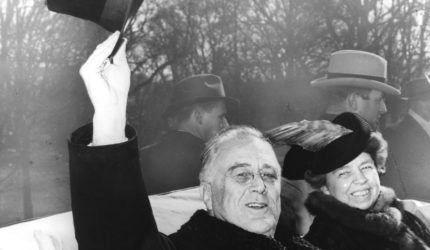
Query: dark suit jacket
[[111, 209], [408, 164], [172, 163]]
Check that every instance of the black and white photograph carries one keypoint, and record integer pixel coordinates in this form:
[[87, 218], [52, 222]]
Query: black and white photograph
[[214, 124]]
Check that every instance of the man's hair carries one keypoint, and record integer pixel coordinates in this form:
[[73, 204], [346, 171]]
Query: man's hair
[[213, 145], [339, 94], [376, 147], [176, 118]]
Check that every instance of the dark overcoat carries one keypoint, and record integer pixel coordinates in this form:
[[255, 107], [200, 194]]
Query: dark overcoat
[[111, 209], [174, 162], [408, 164]]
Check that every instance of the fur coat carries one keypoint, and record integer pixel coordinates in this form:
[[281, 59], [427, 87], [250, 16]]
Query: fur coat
[[385, 226], [203, 231]]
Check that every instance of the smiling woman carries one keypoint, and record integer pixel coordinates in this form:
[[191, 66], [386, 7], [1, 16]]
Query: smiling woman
[[352, 209]]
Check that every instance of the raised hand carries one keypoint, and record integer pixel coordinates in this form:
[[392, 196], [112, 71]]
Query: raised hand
[[107, 86]]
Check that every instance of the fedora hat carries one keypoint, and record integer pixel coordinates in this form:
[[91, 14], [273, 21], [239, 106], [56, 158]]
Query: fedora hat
[[110, 14], [198, 89], [359, 69], [417, 87]]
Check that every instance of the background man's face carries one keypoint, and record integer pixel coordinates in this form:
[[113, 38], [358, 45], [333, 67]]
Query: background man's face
[[371, 107], [214, 120], [247, 184]]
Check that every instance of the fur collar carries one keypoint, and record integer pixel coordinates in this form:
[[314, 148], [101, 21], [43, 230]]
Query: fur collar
[[216, 234], [384, 219]]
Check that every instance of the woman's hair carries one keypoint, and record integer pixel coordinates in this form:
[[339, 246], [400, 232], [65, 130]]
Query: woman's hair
[[376, 147]]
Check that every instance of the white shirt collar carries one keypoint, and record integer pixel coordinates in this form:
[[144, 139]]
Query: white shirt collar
[[421, 121]]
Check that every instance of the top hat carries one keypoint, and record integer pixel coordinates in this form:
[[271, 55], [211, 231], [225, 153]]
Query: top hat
[[198, 89], [354, 68], [110, 14], [416, 88]]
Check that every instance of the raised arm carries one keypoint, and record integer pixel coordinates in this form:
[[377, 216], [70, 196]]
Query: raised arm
[[110, 206]]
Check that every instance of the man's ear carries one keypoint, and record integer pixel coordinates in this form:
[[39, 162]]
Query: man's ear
[[207, 195], [351, 100], [197, 115], [325, 190]]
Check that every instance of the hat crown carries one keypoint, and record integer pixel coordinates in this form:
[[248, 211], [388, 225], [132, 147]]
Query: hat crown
[[198, 89], [110, 14], [198, 86], [355, 62], [353, 122]]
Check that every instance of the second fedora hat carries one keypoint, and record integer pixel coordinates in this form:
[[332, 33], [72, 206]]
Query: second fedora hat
[[354, 68]]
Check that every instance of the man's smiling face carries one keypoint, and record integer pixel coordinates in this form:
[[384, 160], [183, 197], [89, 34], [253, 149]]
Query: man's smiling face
[[246, 186]]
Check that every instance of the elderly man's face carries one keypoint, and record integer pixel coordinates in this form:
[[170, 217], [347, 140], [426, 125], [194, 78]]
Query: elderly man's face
[[246, 186]]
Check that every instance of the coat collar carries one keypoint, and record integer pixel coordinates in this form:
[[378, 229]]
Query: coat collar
[[384, 218], [218, 234]]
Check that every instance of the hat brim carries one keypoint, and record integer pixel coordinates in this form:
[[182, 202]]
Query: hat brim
[[232, 104], [112, 15], [355, 82], [419, 95]]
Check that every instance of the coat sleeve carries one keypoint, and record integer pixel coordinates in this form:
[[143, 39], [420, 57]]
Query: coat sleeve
[[111, 209]]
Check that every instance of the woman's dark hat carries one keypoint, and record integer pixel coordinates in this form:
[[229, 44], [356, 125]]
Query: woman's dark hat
[[198, 89], [333, 155], [296, 161], [344, 149], [110, 14]]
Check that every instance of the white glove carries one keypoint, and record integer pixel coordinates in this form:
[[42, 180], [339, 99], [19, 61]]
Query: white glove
[[107, 86]]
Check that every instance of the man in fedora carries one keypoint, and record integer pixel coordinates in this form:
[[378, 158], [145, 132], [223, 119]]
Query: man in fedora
[[197, 111], [356, 82], [409, 143]]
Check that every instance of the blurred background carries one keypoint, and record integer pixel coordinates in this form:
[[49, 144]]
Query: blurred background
[[266, 52]]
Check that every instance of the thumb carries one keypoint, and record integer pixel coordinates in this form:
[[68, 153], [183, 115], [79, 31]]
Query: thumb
[[120, 57]]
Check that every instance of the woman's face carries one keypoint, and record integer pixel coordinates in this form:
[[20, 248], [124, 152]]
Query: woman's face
[[356, 184]]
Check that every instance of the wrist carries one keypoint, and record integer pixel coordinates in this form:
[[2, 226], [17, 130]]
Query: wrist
[[109, 127]]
